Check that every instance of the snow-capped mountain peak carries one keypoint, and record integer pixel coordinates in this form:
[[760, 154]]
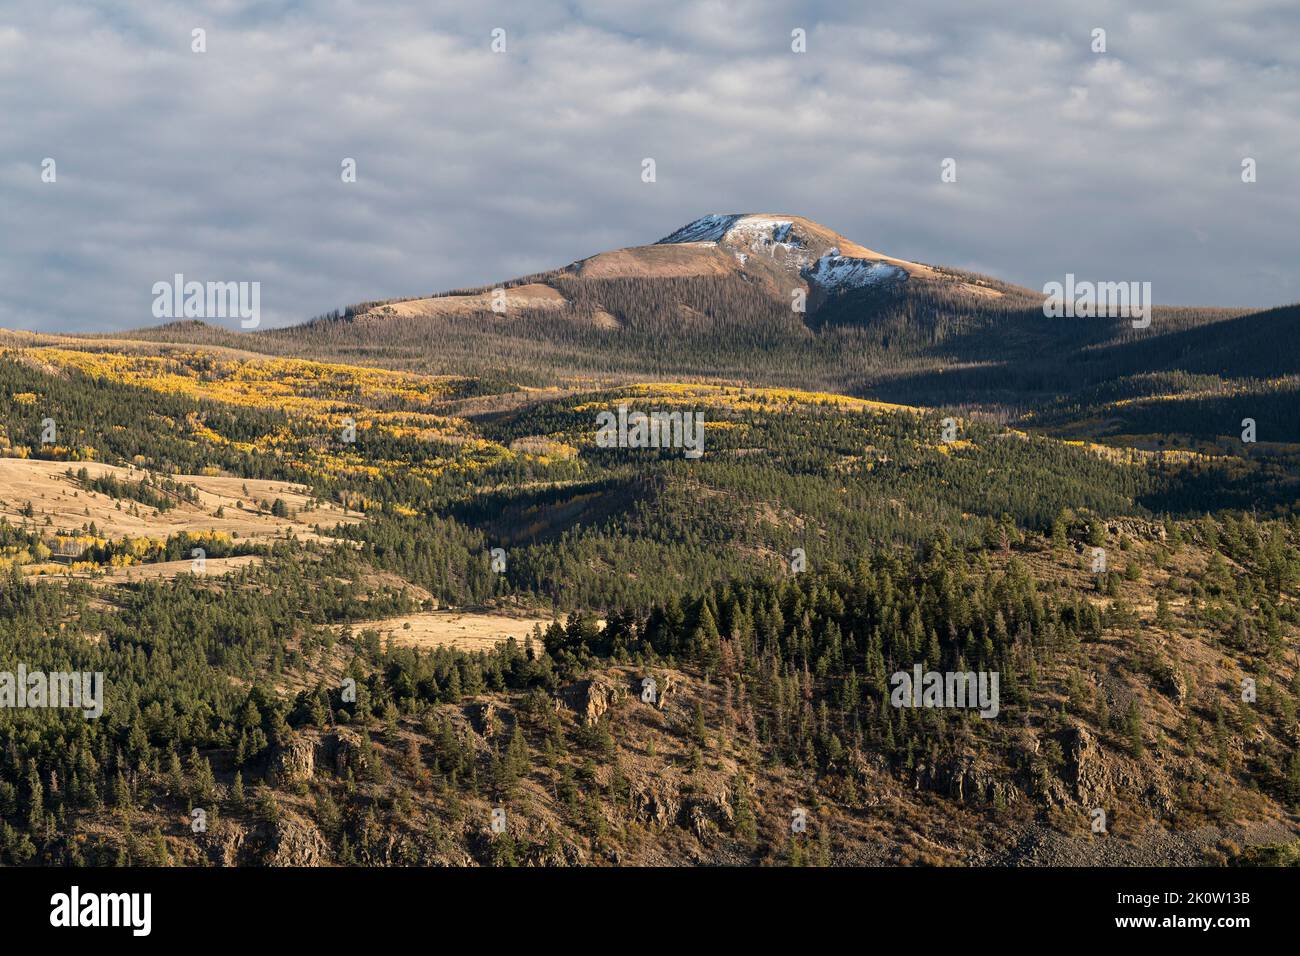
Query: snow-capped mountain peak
[[794, 244]]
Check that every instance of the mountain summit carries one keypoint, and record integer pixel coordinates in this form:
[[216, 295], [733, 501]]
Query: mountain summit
[[780, 300], [820, 259], [712, 297], [778, 250], [791, 238], [734, 260]]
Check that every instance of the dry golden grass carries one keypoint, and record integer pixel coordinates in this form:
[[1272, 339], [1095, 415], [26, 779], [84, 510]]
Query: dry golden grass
[[462, 629], [213, 568], [531, 296], [69, 507], [679, 260]]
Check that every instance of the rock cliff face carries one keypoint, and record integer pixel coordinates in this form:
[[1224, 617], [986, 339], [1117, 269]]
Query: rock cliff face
[[1088, 773], [290, 841], [656, 802], [1175, 685], [1098, 778], [964, 779], [485, 717], [708, 813], [294, 841], [297, 761], [292, 763], [1087, 776], [590, 699], [225, 844], [343, 751], [666, 688], [661, 803]]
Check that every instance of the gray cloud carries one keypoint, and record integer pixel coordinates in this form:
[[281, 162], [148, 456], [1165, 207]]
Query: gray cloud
[[475, 167]]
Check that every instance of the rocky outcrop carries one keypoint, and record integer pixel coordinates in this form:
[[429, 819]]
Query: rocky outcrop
[[391, 849], [964, 779], [292, 763], [661, 803], [343, 751], [1087, 772], [224, 845], [484, 717], [1097, 779], [1175, 685], [554, 851], [589, 699], [667, 688], [296, 842], [706, 813], [655, 802]]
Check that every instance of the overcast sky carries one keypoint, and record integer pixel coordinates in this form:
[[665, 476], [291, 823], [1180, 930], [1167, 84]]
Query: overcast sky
[[474, 166]]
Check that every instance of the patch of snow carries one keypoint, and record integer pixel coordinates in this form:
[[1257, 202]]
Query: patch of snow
[[709, 228], [834, 271], [758, 233], [742, 258], [763, 234]]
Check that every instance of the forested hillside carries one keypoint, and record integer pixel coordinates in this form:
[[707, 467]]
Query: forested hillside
[[306, 683]]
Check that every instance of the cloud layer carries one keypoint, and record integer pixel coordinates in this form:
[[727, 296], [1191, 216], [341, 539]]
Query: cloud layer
[[474, 166]]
